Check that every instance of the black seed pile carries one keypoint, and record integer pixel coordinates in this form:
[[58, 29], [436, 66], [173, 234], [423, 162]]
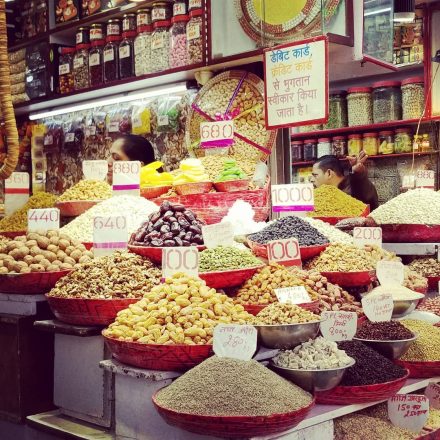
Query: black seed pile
[[384, 331]]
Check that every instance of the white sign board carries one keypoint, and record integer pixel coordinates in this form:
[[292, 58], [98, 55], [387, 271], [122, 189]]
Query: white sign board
[[285, 252], [235, 341], [408, 411], [218, 234], [425, 179], [390, 272], [293, 295], [338, 326], [95, 169], [367, 235], [378, 307], [43, 220], [217, 134], [180, 259], [293, 197], [16, 192], [110, 234], [126, 178]]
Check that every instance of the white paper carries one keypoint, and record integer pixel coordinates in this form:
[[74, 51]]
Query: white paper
[[408, 411], [293, 197], [378, 307], [110, 234], [218, 234], [338, 326], [235, 341], [126, 178], [293, 295], [216, 131], [16, 192], [425, 179], [390, 272], [285, 252], [43, 220], [180, 259], [95, 169], [367, 235]]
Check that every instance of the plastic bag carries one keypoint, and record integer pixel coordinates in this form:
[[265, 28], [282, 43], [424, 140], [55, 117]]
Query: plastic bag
[[118, 122], [73, 132], [54, 136], [168, 114], [141, 119]]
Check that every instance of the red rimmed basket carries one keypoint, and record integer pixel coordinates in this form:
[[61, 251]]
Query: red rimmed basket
[[12, 234], [420, 368], [351, 279], [230, 278], [151, 192], [410, 233], [161, 357], [344, 395], [84, 311], [254, 309], [233, 426], [34, 283], [88, 245], [195, 188], [74, 208], [152, 253], [334, 220], [232, 185]]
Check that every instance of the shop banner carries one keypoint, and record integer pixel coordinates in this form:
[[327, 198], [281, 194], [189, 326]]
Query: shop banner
[[293, 295], [235, 341], [285, 252], [296, 83], [408, 411], [180, 259], [43, 220], [95, 169], [367, 235], [16, 192], [379, 307], [218, 234], [338, 326], [126, 178], [292, 197], [110, 234], [432, 392], [390, 272]]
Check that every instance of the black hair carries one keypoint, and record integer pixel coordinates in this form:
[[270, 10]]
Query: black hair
[[331, 162], [137, 148]]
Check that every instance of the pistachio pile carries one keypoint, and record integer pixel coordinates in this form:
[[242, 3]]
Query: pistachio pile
[[287, 313], [87, 190], [221, 259]]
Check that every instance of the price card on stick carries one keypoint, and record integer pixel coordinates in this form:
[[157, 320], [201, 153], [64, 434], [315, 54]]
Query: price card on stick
[[432, 392], [180, 259], [235, 341], [390, 272], [217, 134], [294, 197], [293, 295], [285, 252], [126, 178], [110, 234], [218, 234], [378, 307], [95, 169], [43, 220], [425, 179], [408, 411], [338, 326], [16, 192], [363, 236]]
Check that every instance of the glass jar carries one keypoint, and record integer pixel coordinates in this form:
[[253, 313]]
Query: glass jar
[[81, 67], [309, 128], [417, 143], [179, 8], [370, 144], [65, 70], [113, 28], [386, 142], [96, 32], [178, 53], [160, 12], [160, 46], [387, 101], [111, 63], [142, 50], [194, 36], [426, 144], [143, 18], [413, 97], [129, 22], [126, 55], [296, 151], [360, 106], [337, 115], [194, 4], [403, 140], [83, 35], [310, 149], [339, 146], [96, 65], [354, 144], [324, 147]]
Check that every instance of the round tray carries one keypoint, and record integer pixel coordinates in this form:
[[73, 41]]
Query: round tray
[[186, 189], [30, 283], [254, 309], [433, 282], [151, 192], [177, 357], [410, 233], [74, 208], [350, 279], [82, 311], [230, 278], [233, 426], [232, 185], [12, 234], [152, 253], [334, 220], [420, 369], [343, 395]]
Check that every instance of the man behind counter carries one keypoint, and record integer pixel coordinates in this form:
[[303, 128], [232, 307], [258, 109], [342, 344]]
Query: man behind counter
[[329, 171]]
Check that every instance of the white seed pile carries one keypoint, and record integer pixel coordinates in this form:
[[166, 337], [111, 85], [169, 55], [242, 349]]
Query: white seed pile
[[333, 234]]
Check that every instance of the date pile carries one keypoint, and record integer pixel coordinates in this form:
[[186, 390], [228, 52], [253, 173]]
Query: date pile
[[172, 225]]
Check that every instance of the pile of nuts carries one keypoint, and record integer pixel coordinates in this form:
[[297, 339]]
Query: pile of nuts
[[414, 281], [430, 305], [426, 266], [87, 190], [215, 164], [221, 259], [50, 252], [183, 310], [287, 313]]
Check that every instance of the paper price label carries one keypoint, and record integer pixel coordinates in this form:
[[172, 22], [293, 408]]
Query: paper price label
[[218, 234], [294, 197], [363, 236], [16, 192], [43, 220], [109, 55], [285, 252], [193, 31], [216, 134], [432, 392], [180, 259], [293, 295], [78, 62], [235, 341], [338, 326], [124, 51], [408, 411], [425, 179], [162, 120], [64, 69], [179, 9], [91, 130], [110, 234], [126, 177], [69, 137], [95, 169], [408, 181], [390, 272], [94, 59], [378, 307]]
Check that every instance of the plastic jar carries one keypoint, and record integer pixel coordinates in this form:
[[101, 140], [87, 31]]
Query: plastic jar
[[111, 54], [96, 65], [194, 36], [160, 12], [65, 70], [179, 8], [413, 97], [337, 116], [360, 106], [386, 142], [160, 46], [387, 101], [354, 144], [370, 144], [129, 22], [126, 55], [403, 140], [339, 146], [178, 53], [297, 151], [113, 27], [143, 18], [142, 50], [96, 32], [81, 67], [426, 144], [194, 4], [310, 149], [82, 35], [324, 147]]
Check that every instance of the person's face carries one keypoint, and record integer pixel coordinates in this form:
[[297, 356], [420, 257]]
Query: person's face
[[320, 177], [116, 154]]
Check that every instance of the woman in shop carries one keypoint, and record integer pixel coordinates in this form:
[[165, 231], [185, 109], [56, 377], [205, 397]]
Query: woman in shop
[[328, 170]]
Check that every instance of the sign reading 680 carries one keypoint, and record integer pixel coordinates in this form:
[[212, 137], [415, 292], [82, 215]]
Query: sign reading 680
[[180, 259]]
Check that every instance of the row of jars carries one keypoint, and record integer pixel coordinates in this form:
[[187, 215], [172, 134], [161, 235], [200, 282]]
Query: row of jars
[[384, 142]]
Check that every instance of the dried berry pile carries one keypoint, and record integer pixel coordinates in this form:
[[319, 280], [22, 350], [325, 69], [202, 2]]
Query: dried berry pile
[[384, 331]]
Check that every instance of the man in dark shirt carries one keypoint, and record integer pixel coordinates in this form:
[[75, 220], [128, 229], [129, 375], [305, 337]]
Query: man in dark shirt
[[328, 170]]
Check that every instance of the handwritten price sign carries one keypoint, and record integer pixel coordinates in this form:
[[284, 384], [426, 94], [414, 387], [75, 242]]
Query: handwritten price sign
[[126, 178], [180, 259], [16, 192], [432, 392], [338, 326], [235, 341], [218, 234], [110, 234], [295, 197], [408, 411], [293, 295], [43, 220], [425, 179], [390, 272], [216, 134], [363, 236], [285, 252], [378, 307], [95, 169]]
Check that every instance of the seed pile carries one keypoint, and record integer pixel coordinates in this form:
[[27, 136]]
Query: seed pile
[[414, 281], [427, 345], [430, 305], [333, 234], [226, 258], [399, 293], [231, 387], [87, 190], [426, 266], [384, 331], [278, 313]]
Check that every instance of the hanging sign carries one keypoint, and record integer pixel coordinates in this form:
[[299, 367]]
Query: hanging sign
[[16, 192], [293, 197], [390, 272], [43, 220], [95, 169], [180, 259], [285, 252], [432, 392], [293, 295], [425, 179], [235, 341], [217, 134], [218, 234], [338, 326], [296, 83], [371, 236], [378, 307], [126, 178], [408, 411], [110, 234]]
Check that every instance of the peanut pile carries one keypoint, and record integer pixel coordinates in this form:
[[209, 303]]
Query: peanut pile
[[87, 190]]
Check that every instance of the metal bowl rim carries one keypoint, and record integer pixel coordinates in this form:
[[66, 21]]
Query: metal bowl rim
[[353, 361], [388, 340], [286, 325]]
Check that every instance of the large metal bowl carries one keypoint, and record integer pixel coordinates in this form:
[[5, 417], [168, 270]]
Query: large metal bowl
[[404, 307], [313, 380], [390, 349], [286, 335]]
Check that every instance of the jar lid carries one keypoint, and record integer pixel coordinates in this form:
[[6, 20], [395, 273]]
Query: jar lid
[[145, 28], [338, 92], [324, 140], [310, 141], [370, 135], [386, 133], [96, 25], [339, 138], [66, 50], [404, 130], [129, 34], [359, 90], [413, 80], [98, 43], [82, 46], [110, 38], [296, 142], [179, 18], [82, 28], [114, 20], [144, 11], [162, 23], [196, 13], [386, 84], [354, 136]]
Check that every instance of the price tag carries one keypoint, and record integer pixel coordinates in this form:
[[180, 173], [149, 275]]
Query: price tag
[[69, 137], [126, 178], [16, 192], [285, 252], [162, 120], [235, 341], [43, 220], [294, 197], [193, 31], [110, 234], [408, 411], [218, 234], [216, 134], [363, 236], [378, 307], [293, 295], [180, 259], [409, 181], [390, 272], [432, 392], [95, 169], [113, 127], [425, 179], [338, 326]]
